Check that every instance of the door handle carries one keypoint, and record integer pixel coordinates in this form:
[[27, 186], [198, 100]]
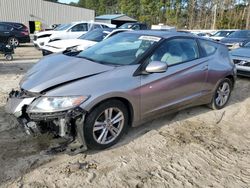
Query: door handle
[[6, 32]]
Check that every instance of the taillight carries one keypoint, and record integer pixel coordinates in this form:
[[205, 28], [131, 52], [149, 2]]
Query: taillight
[[25, 32]]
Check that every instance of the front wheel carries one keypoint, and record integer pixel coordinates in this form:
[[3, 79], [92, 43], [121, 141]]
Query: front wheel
[[222, 94], [105, 124]]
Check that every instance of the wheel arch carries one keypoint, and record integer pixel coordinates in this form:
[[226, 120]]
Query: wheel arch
[[125, 101], [231, 77]]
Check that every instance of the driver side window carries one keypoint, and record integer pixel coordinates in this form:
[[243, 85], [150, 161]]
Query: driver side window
[[175, 51]]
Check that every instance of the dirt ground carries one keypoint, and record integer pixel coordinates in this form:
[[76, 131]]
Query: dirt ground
[[197, 147]]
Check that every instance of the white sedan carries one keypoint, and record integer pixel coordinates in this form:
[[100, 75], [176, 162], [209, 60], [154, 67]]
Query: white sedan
[[85, 41], [67, 31]]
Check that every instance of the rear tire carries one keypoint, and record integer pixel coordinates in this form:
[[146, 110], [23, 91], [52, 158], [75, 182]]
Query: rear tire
[[105, 124], [221, 94], [8, 57], [13, 41]]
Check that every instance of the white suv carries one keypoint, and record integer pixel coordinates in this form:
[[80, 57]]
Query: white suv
[[67, 31]]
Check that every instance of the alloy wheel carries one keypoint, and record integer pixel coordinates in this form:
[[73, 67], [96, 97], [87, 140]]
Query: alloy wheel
[[222, 94], [13, 41], [108, 125]]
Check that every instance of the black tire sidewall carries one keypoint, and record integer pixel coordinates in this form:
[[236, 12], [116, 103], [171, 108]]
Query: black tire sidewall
[[214, 105], [90, 120]]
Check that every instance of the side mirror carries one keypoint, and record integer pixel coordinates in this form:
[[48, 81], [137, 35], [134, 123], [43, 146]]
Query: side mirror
[[156, 67]]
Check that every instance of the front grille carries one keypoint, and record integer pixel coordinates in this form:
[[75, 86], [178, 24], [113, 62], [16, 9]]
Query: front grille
[[241, 62]]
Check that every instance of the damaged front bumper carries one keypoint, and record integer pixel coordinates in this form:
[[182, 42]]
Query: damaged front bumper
[[67, 124]]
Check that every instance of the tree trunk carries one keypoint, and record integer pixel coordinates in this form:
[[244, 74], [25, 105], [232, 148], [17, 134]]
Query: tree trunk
[[248, 16]]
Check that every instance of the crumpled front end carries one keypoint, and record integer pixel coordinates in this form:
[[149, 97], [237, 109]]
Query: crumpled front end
[[66, 123]]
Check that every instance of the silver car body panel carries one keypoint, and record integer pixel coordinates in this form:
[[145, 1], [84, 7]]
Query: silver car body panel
[[184, 84]]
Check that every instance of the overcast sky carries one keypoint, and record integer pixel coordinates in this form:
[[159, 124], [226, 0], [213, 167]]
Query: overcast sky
[[67, 1]]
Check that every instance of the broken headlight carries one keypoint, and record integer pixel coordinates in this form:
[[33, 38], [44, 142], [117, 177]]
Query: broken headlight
[[55, 104]]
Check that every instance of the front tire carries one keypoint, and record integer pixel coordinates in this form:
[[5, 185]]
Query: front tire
[[106, 124], [221, 94]]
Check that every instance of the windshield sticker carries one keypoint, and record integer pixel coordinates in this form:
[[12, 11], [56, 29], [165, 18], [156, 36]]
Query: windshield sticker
[[150, 38]]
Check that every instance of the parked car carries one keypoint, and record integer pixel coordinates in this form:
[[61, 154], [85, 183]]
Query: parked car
[[221, 34], [201, 34], [82, 43], [241, 58], [122, 81], [134, 26], [13, 33], [236, 39], [67, 31]]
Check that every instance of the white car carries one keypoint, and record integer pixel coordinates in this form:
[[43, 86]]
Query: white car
[[67, 31], [83, 42]]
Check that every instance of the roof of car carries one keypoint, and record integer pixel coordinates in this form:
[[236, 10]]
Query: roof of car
[[162, 34]]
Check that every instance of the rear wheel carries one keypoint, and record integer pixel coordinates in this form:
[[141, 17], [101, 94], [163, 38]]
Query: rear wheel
[[222, 94], [105, 125], [13, 41], [8, 57]]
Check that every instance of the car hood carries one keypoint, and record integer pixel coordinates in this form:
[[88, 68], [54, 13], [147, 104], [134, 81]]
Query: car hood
[[46, 33], [63, 44], [232, 40], [241, 52], [58, 69], [216, 38]]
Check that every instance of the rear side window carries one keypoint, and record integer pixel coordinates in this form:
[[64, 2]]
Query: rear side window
[[4, 27], [208, 48]]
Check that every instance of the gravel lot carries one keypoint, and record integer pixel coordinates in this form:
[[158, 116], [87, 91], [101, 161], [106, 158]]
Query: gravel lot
[[197, 147]]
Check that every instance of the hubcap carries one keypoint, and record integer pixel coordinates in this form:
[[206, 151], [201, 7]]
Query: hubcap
[[13, 41], [108, 125], [223, 93]]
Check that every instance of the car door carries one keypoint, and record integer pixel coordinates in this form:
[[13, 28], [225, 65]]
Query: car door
[[77, 30], [5, 32], [183, 81]]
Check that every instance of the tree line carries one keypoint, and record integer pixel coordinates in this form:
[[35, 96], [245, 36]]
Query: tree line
[[189, 14]]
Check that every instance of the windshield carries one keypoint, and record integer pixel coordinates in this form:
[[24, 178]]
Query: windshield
[[121, 49], [63, 27], [240, 34], [222, 33], [96, 35], [126, 26], [247, 45]]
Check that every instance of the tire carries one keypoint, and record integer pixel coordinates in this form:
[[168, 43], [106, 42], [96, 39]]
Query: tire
[[13, 41], [8, 57], [221, 95], [102, 128]]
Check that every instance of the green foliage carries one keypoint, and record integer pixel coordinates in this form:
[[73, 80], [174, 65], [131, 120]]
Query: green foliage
[[192, 14]]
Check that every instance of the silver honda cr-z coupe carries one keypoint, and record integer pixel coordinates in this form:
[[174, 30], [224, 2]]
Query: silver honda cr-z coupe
[[128, 79]]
